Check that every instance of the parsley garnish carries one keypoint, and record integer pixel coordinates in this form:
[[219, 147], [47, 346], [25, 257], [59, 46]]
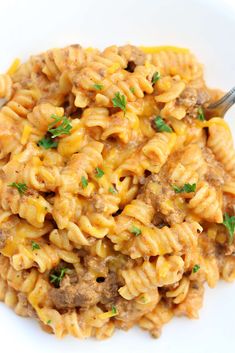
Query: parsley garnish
[[98, 87], [99, 173], [119, 101], [229, 223], [161, 125], [62, 129], [35, 246], [200, 114], [48, 322], [47, 142], [114, 310], [143, 299], [84, 182], [155, 77], [57, 275], [196, 268], [132, 89], [53, 131], [21, 187], [135, 230], [112, 190], [185, 188]]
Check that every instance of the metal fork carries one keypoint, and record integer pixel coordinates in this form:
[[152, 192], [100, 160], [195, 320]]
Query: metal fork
[[220, 107]]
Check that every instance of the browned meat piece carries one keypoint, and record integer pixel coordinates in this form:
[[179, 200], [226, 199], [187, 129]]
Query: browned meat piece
[[203, 97], [110, 288], [82, 295], [215, 172], [26, 308], [188, 97], [229, 204], [127, 313], [86, 293], [192, 98], [158, 192], [133, 54], [96, 265], [131, 66], [3, 238]]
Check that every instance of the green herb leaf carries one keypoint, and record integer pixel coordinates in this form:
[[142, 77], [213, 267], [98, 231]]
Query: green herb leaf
[[84, 182], [135, 230], [35, 246], [155, 77], [21, 187], [119, 101], [98, 87], [229, 223], [196, 268], [57, 275], [99, 173], [200, 114], [47, 142], [143, 299], [186, 188], [62, 129], [161, 125], [48, 322], [132, 89], [114, 310], [112, 190]]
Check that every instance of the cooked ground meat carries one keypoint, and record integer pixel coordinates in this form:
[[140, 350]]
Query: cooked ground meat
[[133, 54], [79, 295], [192, 98], [229, 204], [131, 66], [85, 293], [26, 308], [215, 172], [3, 238], [110, 288], [127, 313], [96, 265], [188, 97], [202, 96], [158, 192]]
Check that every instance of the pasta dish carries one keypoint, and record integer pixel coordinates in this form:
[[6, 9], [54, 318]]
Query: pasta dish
[[117, 194]]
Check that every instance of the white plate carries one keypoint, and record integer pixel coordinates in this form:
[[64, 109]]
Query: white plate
[[208, 28]]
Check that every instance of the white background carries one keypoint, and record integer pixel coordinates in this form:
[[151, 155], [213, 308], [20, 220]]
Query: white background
[[207, 27]]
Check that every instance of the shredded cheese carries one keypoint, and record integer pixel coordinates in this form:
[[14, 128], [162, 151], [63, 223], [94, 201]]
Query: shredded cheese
[[154, 50], [113, 68], [107, 315], [14, 66], [25, 134]]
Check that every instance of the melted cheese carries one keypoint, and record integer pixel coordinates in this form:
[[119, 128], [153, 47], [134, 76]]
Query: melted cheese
[[14, 66], [113, 68], [154, 50], [25, 134]]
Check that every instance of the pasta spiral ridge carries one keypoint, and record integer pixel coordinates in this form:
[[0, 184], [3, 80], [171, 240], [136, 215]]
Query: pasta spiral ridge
[[162, 271], [205, 203], [5, 86]]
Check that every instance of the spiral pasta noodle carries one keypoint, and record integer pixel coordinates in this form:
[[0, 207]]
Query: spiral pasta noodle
[[162, 272], [116, 192], [5, 86]]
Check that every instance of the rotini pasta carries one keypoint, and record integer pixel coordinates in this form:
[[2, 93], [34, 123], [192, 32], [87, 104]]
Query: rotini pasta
[[117, 196]]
